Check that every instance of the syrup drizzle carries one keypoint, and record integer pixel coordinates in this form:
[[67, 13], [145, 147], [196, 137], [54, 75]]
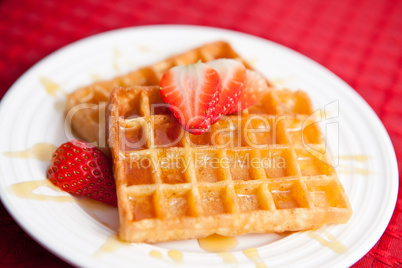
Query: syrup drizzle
[[333, 243], [51, 87], [112, 244], [351, 170], [252, 255], [358, 157], [40, 151], [27, 190], [342, 169], [227, 257]]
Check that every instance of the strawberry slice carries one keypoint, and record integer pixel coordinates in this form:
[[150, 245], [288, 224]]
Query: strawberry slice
[[192, 92], [254, 87], [232, 74]]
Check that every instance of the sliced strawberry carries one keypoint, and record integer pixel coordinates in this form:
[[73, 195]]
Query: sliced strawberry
[[232, 74], [191, 92], [254, 87], [82, 169]]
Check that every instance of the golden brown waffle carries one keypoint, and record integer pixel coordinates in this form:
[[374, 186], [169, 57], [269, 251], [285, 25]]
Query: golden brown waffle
[[250, 173], [85, 107]]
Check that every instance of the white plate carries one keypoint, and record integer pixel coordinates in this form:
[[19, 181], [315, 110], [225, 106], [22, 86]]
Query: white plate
[[29, 115]]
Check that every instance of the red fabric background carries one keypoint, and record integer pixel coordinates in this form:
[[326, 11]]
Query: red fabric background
[[361, 43]]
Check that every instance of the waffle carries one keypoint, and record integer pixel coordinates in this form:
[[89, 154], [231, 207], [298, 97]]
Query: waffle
[[172, 185], [85, 107]]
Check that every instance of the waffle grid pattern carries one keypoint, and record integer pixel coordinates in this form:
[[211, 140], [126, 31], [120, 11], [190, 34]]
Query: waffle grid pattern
[[247, 174]]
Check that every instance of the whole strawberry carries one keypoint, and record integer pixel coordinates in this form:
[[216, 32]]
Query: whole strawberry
[[81, 168]]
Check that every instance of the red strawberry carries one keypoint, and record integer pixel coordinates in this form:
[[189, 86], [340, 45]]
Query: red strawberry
[[191, 92], [81, 168], [254, 87], [232, 74]]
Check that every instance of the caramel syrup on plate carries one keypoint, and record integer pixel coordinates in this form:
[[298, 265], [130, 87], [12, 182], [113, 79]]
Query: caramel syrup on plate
[[217, 243], [112, 244], [40, 151], [116, 57], [332, 242], [350, 171], [343, 169], [176, 256], [156, 254], [252, 255], [358, 157], [51, 87], [220, 244], [96, 77], [27, 190], [227, 257]]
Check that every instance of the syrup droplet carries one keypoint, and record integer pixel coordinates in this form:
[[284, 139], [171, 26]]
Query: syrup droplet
[[176, 256], [156, 254], [217, 243]]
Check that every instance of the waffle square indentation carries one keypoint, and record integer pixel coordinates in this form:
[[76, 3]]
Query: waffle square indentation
[[167, 131], [138, 170], [249, 197], [143, 206], [239, 162], [178, 203], [312, 165], [326, 192], [214, 200], [277, 163], [207, 166], [173, 167], [133, 136], [302, 130], [288, 195]]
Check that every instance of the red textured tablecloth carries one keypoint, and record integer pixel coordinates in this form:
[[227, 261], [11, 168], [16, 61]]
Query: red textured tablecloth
[[360, 41]]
